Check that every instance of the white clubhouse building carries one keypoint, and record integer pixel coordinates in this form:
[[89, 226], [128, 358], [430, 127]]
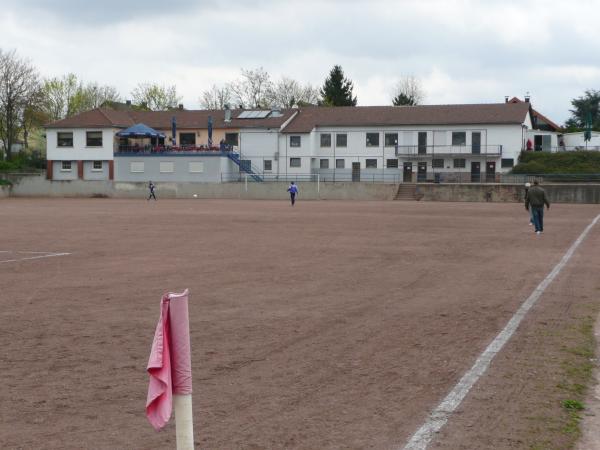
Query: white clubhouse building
[[472, 142]]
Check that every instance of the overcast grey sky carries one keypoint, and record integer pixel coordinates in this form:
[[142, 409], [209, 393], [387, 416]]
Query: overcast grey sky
[[463, 51]]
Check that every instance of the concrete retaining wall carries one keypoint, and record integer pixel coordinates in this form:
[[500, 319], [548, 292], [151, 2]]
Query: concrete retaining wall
[[38, 186]]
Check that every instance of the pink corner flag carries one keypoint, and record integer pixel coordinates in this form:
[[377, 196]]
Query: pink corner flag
[[170, 363]]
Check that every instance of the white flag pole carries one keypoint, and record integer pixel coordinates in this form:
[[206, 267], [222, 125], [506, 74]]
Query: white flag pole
[[182, 375], [184, 421]]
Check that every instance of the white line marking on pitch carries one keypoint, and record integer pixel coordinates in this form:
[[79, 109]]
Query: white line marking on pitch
[[440, 415], [34, 257]]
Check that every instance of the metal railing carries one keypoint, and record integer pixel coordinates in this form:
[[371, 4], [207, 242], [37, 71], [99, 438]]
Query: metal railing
[[576, 148], [171, 148], [421, 151], [429, 177]]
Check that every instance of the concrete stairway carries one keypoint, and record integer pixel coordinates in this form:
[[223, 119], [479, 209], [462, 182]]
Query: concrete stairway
[[406, 191]]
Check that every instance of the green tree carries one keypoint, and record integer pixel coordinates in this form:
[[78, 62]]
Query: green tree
[[67, 96], [403, 100], [19, 88], [582, 107], [337, 90], [155, 97], [408, 92]]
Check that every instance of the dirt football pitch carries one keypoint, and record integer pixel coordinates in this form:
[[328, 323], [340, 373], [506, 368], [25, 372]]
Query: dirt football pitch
[[329, 325]]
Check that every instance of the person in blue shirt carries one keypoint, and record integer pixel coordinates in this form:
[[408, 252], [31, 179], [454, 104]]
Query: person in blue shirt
[[293, 190]]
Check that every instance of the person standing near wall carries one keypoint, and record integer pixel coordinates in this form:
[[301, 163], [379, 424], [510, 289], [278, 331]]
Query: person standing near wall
[[293, 190], [535, 199], [151, 187]]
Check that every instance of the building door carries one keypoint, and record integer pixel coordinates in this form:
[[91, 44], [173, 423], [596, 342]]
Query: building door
[[355, 171], [546, 143], [537, 142], [422, 147], [476, 142], [490, 171], [475, 172], [407, 172], [422, 171]]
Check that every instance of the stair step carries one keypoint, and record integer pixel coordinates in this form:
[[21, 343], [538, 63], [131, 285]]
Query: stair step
[[406, 192]]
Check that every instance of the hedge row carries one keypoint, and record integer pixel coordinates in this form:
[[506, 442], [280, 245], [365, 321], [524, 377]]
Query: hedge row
[[564, 162]]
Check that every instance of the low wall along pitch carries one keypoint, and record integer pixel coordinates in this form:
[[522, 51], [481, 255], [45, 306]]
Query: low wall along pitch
[[39, 186]]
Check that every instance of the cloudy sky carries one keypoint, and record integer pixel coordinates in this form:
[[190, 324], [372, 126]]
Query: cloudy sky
[[463, 51]]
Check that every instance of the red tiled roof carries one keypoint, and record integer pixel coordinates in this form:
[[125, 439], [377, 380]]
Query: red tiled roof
[[185, 119], [354, 116], [538, 114]]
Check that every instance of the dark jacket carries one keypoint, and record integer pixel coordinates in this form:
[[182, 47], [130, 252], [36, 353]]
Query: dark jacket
[[536, 198]]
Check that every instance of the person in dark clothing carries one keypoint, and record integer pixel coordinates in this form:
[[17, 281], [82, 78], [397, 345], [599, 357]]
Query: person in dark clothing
[[527, 186], [293, 190], [535, 199], [151, 187]]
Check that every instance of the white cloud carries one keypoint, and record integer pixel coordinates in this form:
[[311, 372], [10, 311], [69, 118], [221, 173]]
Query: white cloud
[[462, 50]]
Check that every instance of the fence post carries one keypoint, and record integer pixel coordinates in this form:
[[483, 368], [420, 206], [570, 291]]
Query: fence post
[[318, 183]]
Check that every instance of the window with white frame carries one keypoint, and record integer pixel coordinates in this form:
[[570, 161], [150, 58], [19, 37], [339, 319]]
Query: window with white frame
[[268, 165], [97, 166], [459, 138], [371, 164], [136, 167], [196, 167], [392, 163], [93, 139], [65, 166], [166, 167], [325, 139], [437, 163], [460, 163], [295, 141], [372, 140], [391, 139], [64, 139], [340, 163], [341, 140], [324, 163]]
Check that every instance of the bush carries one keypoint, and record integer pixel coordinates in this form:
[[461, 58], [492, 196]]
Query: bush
[[564, 162], [23, 162]]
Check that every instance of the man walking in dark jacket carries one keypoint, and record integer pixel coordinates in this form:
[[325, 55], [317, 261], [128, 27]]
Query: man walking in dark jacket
[[535, 199]]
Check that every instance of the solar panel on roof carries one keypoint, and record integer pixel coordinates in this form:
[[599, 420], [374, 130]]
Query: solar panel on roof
[[253, 114]]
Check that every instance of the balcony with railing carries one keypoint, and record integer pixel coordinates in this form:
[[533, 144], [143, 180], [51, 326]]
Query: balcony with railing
[[148, 149], [432, 151]]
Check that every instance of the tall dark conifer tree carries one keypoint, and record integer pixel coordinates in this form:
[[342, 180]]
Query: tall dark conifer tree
[[337, 90]]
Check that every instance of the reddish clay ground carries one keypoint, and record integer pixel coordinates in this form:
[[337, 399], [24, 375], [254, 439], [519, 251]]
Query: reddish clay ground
[[329, 325]]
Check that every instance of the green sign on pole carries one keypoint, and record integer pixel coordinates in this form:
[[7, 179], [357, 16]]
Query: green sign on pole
[[587, 134]]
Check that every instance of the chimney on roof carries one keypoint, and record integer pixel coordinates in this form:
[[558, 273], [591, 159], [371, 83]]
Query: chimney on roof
[[506, 99], [181, 106], [227, 114], [527, 97]]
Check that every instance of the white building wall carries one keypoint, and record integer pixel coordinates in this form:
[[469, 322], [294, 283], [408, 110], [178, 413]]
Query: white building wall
[[58, 173], [258, 146], [89, 173], [575, 141], [80, 151]]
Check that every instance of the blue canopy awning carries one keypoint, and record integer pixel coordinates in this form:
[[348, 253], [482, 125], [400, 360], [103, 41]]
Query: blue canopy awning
[[140, 130]]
